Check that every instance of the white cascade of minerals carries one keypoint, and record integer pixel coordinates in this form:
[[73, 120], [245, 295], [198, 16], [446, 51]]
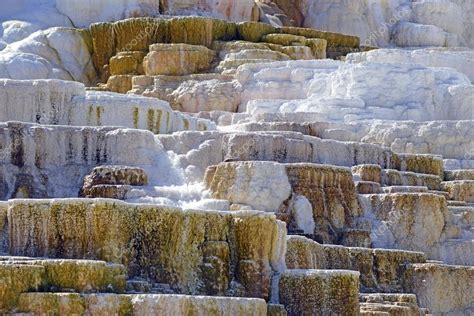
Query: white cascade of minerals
[[254, 157]]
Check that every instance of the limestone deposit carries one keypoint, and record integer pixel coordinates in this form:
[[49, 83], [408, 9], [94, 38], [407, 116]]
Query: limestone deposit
[[250, 157]]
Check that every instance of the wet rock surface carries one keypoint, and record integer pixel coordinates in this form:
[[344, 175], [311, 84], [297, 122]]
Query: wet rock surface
[[236, 157]]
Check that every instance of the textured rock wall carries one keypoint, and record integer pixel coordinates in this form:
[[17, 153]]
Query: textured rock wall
[[14, 280], [381, 270], [332, 195], [139, 304], [329, 192], [195, 252], [3, 228], [261, 185], [67, 103], [447, 290], [413, 221], [18, 275], [320, 292], [42, 101], [461, 190], [138, 34], [203, 149], [37, 158]]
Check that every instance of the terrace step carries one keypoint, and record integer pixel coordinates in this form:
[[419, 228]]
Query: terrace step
[[21, 274], [392, 177], [405, 189], [137, 304], [380, 269], [112, 181], [355, 238], [460, 249], [442, 288], [459, 190], [442, 193], [319, 292], [390, 304], [368, 187], [463, 215], [457, 203], [109, 191], [461, 174]]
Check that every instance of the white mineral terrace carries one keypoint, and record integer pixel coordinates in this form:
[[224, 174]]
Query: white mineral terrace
[[246, 157]]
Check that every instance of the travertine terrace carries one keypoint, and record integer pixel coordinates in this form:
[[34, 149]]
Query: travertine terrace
[[246, 157]]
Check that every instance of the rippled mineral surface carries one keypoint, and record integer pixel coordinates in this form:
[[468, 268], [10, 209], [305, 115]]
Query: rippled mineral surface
[[237, 157]]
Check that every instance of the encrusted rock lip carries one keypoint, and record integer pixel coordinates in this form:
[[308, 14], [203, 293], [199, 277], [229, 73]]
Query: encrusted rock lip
[[320, 272], [108, 201]]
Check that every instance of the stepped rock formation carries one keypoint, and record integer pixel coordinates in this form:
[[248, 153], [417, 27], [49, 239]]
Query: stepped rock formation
[[404, 22], [254, 157]]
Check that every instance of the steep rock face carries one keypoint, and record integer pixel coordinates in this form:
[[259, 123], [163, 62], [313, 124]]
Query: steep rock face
[[42, 101], [108, 109], [329, 192], [202, 149], [112, 181], [463, 174], [445, 289], [423, 163], [213, 248], [430, 137], [332, 195], [372, 173], [3, 223], [20, 274], [36, 158], [109, 40], [414, 221], [391, 177], [320, 292], [117, 175], [334, 40], [181, 59], [460, 190], [261, 185], [139, 33], [16, 279], [127, 62]]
